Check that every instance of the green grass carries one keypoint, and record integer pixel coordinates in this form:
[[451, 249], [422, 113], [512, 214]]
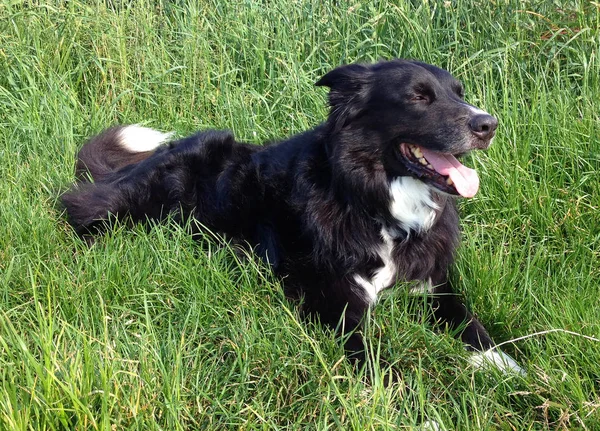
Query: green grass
[[151, 330]]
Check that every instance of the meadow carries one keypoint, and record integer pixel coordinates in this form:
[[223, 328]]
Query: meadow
[[147, 329]]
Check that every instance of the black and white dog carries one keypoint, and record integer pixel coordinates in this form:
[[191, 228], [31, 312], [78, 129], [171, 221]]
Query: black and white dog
[[341, 212]]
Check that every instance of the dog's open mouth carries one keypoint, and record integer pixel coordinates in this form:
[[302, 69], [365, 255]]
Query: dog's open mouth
[[443, 171]]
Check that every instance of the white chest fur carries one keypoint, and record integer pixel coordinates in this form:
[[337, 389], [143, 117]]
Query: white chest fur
[[414, 209], [385, 275], [411, 204]]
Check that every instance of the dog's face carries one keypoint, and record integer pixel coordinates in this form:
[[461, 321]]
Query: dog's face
[[419, 115]]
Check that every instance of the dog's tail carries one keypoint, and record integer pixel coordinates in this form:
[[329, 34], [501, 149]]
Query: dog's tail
[[116, 148]]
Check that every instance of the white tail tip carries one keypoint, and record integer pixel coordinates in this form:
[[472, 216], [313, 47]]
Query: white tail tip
[[139, 139]]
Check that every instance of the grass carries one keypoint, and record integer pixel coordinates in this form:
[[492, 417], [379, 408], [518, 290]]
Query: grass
[[151, 330]]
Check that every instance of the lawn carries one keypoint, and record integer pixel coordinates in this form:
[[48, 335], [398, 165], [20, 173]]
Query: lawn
[[148, 329]]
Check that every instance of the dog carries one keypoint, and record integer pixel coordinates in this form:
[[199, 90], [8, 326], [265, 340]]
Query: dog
[[363, 201]]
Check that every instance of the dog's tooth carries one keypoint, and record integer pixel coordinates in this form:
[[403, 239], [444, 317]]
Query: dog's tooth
[[449, 181], [417, 152], [423, 161], [429, 165]]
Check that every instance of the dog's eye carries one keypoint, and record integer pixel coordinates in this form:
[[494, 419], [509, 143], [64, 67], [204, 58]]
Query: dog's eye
[[419, 98]]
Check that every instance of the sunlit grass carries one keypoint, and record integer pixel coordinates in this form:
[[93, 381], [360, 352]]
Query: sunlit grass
[[149, 329]]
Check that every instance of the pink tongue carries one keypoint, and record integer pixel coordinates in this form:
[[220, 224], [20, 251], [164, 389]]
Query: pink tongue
[[465, 179]]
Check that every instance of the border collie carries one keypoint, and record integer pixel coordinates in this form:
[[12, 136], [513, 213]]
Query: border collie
[[340, 212]]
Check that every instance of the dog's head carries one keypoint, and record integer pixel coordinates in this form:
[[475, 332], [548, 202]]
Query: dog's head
[[418, 115]]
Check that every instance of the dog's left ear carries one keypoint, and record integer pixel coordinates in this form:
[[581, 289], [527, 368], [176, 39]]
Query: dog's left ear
[[345, 78], [349, 86]]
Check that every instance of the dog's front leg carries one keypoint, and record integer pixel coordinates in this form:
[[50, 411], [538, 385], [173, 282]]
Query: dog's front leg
[[450, 311], [338, 308]]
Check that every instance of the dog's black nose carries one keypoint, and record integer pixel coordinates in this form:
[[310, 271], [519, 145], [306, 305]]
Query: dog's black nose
[[483, 126]]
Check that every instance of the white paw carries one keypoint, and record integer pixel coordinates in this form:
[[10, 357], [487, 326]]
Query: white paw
[[430, 426], [498, 359]]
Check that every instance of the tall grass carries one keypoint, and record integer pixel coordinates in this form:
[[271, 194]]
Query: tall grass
[[147, 329]]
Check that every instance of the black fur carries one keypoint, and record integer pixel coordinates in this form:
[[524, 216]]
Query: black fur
[[313, 205]]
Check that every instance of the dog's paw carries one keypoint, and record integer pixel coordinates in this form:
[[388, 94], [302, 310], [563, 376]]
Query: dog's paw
[[430, 425], [499, 359]]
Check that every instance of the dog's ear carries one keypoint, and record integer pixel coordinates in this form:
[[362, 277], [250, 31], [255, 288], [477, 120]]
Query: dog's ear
[[349, 86], [345, 78]]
